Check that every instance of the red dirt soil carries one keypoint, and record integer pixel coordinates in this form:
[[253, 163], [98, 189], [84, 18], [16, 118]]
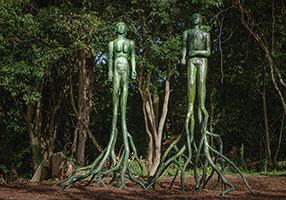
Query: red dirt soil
[[264, 187]]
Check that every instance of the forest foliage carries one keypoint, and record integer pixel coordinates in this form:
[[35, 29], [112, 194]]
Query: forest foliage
[[53, 53]]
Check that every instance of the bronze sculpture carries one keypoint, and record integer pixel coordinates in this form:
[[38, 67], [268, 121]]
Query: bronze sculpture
[[119, 52], [195, 49]]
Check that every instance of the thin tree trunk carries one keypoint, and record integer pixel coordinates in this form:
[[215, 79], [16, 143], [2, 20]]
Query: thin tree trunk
[[151, 140], [154, 121], [34, 142], [280, 138], [32, 114], [275, 72], [2, 117], [85, 65], [259, 38], [53, 122], [153, 129], [38, 121], [266, 125], [3, 135]]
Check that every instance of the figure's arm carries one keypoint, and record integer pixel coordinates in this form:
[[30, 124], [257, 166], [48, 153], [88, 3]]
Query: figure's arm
[[184, 47], [132, 57], [206, 52], [110, 61], [208, 44]]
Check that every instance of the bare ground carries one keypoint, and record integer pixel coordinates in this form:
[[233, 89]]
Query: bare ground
[[264, 187]]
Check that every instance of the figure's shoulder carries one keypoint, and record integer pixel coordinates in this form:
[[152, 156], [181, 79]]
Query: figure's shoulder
[[111, 43], [206, 33], [131, 42], [188, 31], [191, 31]]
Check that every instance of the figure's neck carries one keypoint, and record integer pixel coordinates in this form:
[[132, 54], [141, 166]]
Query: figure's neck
[[197, 26], [121, 36]]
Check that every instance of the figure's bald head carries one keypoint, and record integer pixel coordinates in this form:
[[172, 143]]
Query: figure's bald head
[[120, 28], [197, 19]]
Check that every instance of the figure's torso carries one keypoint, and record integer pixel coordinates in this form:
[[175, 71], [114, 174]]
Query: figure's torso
[[197, 40], [121, 52], [121, 48]]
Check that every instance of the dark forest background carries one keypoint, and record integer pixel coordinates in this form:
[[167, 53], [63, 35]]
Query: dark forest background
[[55, 96]]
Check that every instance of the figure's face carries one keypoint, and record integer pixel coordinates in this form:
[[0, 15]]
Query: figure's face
[[121, 28], [196, 19]]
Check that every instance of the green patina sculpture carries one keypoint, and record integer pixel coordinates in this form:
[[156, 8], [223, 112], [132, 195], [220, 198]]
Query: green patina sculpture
[[196, 49], [120, 51]]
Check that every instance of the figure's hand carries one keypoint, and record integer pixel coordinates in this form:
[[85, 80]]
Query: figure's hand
[[183, 61], [133, 74], [199, 53], [193, 53], [110, 75]]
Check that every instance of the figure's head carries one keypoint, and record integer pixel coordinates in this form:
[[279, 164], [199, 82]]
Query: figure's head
[[197, 19], [120, 28]]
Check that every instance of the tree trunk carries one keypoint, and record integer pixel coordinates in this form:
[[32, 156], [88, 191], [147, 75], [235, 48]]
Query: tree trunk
[[262, 43], [41, 141], [53, 122], [155, 160], [3, 134], [280, 139], [154, 121], [38, 140], [266, 125], [38, 121], [85, 64], [33, 120], [34, 139], [2, 117], [154, 124], [248, 22]]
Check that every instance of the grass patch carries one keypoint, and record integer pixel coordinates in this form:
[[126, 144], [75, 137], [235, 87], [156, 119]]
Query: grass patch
[[172, 169]]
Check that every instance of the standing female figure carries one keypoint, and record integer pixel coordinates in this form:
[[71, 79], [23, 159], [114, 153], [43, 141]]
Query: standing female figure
[[119, 51]]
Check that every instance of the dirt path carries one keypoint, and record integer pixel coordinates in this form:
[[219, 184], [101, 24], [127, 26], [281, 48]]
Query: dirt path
[[264, 187]]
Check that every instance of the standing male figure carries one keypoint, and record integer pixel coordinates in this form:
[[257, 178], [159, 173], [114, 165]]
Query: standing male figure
[[196, 49], [119, 51]]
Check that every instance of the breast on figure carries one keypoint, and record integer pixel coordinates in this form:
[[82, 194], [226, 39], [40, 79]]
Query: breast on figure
[[121, 55]]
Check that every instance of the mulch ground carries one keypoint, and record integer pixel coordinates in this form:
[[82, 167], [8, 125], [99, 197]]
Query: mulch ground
[[264, 187]]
